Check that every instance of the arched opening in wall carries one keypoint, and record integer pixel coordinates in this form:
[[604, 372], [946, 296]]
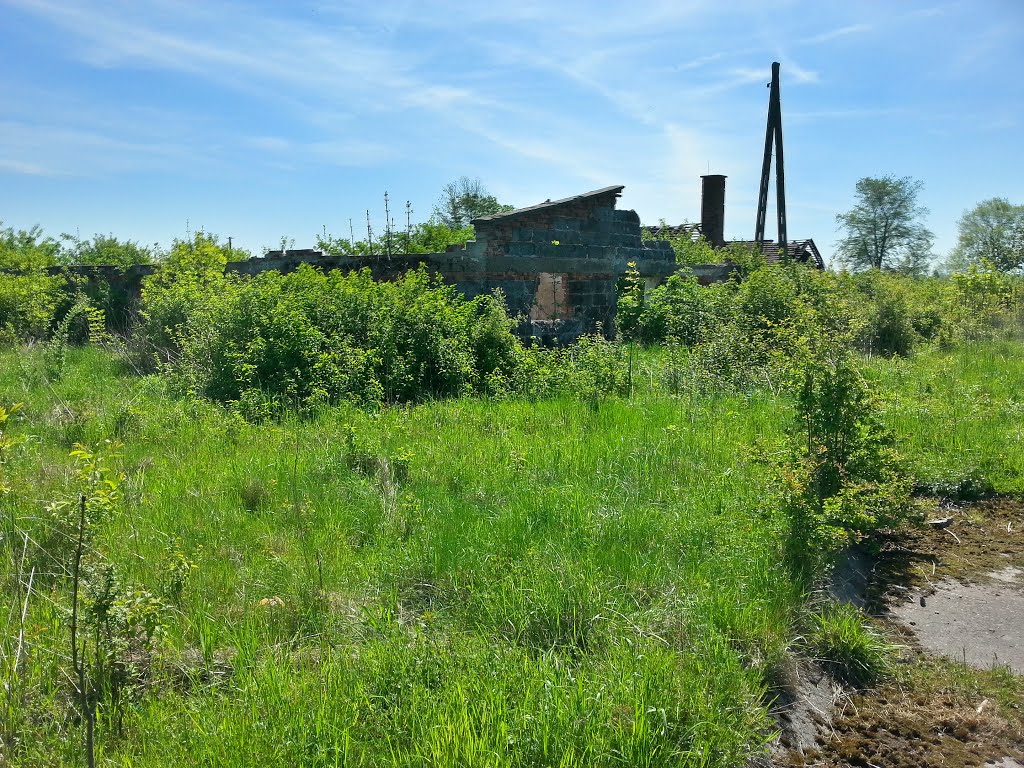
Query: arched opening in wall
[[550, 302]]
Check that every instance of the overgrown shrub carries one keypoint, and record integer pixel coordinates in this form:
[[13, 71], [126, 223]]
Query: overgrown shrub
[[595, 367], [29, 296], [986, 303], [105, 250], [844, 478], [743, 333], [756, 315], [895, 316], [307, 338], [679, 309], [689, 250], [28, 303], [190, 278]]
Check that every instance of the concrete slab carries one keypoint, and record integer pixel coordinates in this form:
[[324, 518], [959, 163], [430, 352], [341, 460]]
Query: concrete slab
[[981, 623]]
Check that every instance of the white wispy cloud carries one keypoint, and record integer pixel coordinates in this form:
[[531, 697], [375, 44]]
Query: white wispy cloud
[[700, 61], [315, 74], [57, 150], [244, 51], [834, 34], [337, 68], [24, 169], [799, 74], [560, 155]]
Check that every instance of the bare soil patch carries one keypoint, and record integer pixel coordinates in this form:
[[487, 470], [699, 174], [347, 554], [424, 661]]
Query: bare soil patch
[[961, 579], [979, 539], [936, 720]]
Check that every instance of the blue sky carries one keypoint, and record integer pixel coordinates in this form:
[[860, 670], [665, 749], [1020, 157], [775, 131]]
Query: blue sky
[[267, 119]]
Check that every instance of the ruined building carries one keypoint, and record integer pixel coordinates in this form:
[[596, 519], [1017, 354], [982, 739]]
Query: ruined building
[[558, 263]]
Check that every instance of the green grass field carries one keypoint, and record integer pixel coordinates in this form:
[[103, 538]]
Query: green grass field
[[467, 582], [959, 413]]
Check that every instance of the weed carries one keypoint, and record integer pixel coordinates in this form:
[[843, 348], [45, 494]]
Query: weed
[[853, 651], [126, 422], [56, 348], [7, 440], [970, 485], [177, 567], [255, 494]]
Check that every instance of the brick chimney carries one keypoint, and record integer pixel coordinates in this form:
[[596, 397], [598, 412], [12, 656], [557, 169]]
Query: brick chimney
[[712, 209]]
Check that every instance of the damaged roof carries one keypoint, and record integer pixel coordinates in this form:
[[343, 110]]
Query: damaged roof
[[617, 190], [665, 231], [801, 251]]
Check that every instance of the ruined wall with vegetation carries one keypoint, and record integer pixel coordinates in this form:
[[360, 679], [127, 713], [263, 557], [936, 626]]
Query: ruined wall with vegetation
[[558, 264]]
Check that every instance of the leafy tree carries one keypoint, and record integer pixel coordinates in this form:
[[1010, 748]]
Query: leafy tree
[[26, 249], [461, 201], [992, 230], [884, 229], [428, 237], [464, 200], [688, 250], [105, 250], [341, 246], [202, 254], [29, 296]]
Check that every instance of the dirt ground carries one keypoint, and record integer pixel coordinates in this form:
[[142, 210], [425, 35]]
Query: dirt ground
[[950, 595], [980, 538]]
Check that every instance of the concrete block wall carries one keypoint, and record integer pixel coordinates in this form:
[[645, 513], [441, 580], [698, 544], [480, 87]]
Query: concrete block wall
[[583, 241]]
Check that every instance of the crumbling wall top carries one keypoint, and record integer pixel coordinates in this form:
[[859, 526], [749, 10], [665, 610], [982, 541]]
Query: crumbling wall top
[[606, 196]]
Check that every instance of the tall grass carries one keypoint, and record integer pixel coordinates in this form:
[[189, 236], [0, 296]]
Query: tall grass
[[467, 582], [960, 413], [507, 583]]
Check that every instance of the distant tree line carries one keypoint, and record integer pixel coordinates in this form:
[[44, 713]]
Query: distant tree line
[[885, 230]]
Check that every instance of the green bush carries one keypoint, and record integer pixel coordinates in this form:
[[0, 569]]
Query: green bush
[[889, 313], [986, 303], [29, 296], [190, 278], [105, 250], [307, 338], [844, 479], [28, 303], [896, 314], [680, 309], [766, 300], [748, 333], [758, 315], [689, 250], [26, 250]]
